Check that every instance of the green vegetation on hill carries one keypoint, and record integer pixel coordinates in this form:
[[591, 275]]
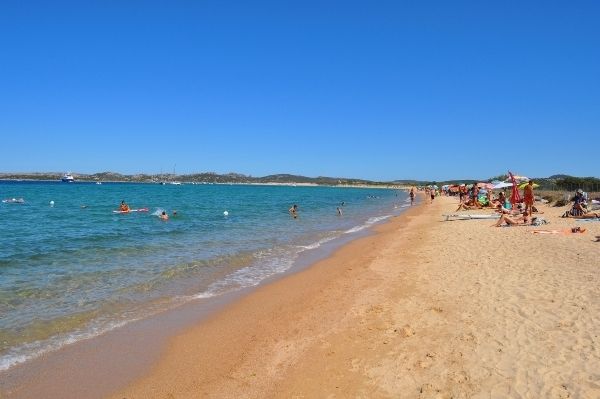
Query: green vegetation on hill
[[553, 183], [206, 177]]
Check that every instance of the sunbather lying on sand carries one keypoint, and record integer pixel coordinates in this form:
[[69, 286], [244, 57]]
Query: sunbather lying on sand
[[572, 230], [513, 221], [589, 215]]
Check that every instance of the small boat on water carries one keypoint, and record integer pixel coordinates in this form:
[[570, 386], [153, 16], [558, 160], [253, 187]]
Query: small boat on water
[[13, 201], [67, 178]]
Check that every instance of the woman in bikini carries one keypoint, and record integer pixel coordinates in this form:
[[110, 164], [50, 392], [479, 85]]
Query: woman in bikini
[[520, 220]]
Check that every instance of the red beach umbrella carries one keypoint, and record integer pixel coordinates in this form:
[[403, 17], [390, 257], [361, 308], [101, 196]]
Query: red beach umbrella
[[515, 197]]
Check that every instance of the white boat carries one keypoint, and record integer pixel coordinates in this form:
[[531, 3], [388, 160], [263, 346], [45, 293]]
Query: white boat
[[13, 201], [67, 178]]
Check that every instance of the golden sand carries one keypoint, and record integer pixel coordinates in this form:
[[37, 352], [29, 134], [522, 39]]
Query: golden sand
[[425, 308]]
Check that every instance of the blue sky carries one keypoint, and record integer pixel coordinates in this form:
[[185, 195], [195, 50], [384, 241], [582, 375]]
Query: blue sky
[[377, 90]]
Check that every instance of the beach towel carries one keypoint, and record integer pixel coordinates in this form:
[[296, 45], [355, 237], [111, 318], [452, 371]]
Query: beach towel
[[574, 230], [472, 216], [538, 221]]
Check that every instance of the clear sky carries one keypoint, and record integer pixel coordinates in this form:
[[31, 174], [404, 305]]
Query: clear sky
[[372, 89]]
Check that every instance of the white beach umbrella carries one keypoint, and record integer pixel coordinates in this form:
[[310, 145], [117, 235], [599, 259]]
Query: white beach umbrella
[[502, 185]]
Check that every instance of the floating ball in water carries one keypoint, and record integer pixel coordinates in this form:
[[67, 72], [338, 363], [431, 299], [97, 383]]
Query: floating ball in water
[[51, 203], [226, 213]]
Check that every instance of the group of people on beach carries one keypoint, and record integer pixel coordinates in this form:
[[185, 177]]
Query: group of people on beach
[[520, 213]]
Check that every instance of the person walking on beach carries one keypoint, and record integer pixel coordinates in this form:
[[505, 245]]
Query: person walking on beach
[[529, 199], [412, 196], [294, 211]]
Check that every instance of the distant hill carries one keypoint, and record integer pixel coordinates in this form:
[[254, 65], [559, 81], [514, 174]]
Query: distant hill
[[205, 177]]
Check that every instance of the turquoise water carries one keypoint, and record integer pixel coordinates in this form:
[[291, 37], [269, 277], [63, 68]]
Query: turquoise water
[[75, 269]]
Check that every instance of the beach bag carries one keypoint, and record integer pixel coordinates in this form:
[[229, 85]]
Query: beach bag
[[539, 221]]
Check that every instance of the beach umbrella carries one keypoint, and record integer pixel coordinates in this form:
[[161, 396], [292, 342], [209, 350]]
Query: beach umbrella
[[515, 197], [522, 185], [488, 186], [501, 185], [518, 179]]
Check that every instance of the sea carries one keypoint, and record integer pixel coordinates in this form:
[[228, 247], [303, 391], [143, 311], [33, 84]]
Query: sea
[[72, 269]]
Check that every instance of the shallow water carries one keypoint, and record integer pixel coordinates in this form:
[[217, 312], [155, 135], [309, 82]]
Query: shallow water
[[74, 269]]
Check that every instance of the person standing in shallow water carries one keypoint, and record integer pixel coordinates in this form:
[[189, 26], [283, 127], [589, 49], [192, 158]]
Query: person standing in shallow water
[[294, 211]]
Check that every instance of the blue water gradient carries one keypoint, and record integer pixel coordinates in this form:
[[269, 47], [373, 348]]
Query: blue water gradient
[[74, 269]]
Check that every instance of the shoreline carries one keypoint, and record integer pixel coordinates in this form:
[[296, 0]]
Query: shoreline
[[190, 183], [134, 359], [264, 321], [423, 308]]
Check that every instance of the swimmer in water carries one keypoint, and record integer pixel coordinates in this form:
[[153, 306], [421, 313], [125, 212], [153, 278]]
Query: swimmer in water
[[164, 216], [124, 207], [294, 211]]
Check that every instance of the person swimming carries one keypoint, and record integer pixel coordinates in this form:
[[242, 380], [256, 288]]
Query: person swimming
[[124, 207], [294, 211], [164, 216]]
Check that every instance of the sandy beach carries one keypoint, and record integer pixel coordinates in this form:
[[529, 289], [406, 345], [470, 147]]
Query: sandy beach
[[424, 308]]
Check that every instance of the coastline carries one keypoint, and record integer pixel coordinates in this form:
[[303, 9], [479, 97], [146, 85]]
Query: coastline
[[423, 308], [247, 348], [118, 355], [195, 183]]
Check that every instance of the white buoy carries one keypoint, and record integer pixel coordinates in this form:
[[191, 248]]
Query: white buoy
[[51, 203], [226, 213]]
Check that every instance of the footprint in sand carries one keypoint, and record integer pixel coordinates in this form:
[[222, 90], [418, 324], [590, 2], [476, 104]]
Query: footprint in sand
[[407, 331]]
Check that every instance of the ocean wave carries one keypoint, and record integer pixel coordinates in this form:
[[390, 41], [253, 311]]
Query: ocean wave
[[25, 352], [370, 222]]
